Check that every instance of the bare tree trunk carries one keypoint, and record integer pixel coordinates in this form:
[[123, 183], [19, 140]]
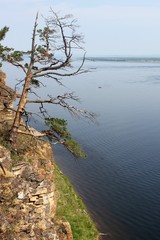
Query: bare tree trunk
[[20, 110], [58, 35], [26, 87]]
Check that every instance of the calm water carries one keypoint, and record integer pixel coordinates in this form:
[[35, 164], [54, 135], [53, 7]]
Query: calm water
[[120, 180]]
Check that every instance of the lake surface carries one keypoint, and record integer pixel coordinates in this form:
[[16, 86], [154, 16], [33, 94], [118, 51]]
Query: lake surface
[[120, 180]]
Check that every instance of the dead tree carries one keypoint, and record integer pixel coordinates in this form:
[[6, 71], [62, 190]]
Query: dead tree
[[57, 38]]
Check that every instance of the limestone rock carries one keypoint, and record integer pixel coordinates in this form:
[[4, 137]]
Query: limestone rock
[[27, 191], [27, 199]]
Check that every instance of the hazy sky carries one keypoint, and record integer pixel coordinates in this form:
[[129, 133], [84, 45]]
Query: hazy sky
[[111, 27]]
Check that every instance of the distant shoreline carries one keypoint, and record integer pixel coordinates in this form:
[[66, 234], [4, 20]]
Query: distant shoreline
[[125, 59]]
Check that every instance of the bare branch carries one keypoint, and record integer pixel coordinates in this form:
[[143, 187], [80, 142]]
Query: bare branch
[[63, 36], [67, 40], [56, 79], [61, 100], [33, 44], [49, 73], [43, 111], [17, 64], [32, 92], [26, 114], [32, 132], [57, 38], [19, 82]]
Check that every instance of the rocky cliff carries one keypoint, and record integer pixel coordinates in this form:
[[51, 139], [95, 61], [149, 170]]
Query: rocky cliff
[[27, 191], [28, 198]]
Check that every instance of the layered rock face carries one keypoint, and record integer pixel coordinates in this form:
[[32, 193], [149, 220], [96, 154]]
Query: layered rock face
[[27, 191], [28, 199]]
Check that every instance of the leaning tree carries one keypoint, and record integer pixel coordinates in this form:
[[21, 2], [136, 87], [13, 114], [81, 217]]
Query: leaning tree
[[52, 50]]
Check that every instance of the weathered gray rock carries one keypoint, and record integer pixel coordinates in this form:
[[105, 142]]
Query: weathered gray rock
[[27, 191], [27, 199]]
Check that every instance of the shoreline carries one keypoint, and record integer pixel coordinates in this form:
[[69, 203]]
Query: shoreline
[[73, 209], [37, 155]]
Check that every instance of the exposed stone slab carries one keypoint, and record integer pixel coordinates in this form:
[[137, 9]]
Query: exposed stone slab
[[27, 191], [27, 199]]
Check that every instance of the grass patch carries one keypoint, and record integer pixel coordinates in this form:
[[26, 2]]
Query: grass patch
[[71, 208]]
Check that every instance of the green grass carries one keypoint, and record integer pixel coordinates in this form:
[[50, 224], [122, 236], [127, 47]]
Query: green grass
[[71, 208]]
